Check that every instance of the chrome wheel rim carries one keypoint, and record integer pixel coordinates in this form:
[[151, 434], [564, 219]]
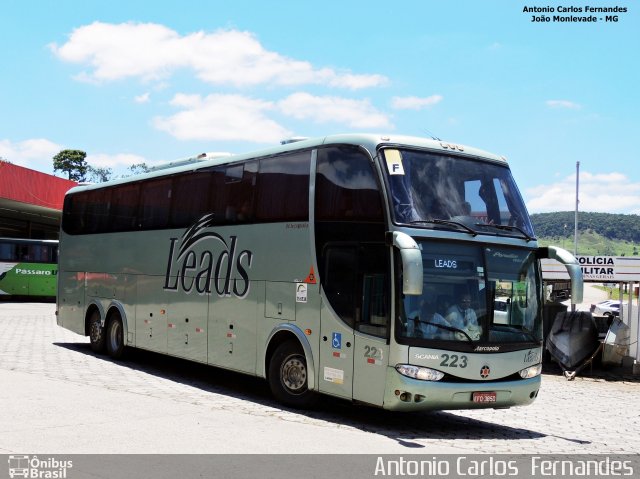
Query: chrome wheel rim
[[294, 374], [95, 333]]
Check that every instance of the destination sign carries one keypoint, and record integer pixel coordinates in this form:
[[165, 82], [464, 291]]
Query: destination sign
[[449, 263]]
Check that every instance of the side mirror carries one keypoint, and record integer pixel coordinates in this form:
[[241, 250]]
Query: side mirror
[[573, 268], [411, 257]]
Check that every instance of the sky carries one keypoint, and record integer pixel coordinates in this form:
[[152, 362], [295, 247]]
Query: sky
[[139, 81]]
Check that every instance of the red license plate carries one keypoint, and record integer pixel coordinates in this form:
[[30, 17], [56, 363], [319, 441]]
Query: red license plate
[[484, 397]]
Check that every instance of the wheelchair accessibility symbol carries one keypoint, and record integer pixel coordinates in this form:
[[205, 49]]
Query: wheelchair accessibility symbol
[[336, 341]]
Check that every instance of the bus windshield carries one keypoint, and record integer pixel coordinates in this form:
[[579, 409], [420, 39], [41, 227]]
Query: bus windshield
[[453, 192], [473, 294]]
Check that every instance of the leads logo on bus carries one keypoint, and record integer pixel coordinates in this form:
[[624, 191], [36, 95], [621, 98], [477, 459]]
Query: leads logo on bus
[[186, 270]]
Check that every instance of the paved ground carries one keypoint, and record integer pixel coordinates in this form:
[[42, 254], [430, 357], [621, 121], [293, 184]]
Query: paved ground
[[57, 396]]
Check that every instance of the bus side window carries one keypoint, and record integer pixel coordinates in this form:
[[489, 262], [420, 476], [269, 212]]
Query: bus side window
[[96, 213], [8, 252], [283, 188], [73, 219], [190, 199], [124, 208], [346, 187], [154, 204], [232, 192]]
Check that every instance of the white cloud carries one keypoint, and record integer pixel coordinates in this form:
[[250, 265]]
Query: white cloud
[[144, 98], [330, 109], [226, 57], [564, 104], [604, 192], [38, 154], [414, 102], [34, 153], [222, 117], [117, 161]]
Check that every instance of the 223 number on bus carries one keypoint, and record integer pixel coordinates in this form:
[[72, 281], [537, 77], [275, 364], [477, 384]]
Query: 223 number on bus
[[453, 361], [371, 352]]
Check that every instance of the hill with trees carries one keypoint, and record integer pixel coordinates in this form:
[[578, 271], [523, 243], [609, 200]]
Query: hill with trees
[[598, 233]]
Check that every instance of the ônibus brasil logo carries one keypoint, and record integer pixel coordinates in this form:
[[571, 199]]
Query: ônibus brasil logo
[[188, 271]]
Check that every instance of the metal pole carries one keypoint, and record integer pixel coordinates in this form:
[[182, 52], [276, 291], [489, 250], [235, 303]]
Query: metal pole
[[621, 299], [575, 233], [636, 367], [630, 303]]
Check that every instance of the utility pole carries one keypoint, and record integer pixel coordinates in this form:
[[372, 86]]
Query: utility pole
[[575, 233]]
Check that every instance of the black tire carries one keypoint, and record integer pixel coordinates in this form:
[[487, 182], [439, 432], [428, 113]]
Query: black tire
[[288, 376], [97, 337], [115, 336]]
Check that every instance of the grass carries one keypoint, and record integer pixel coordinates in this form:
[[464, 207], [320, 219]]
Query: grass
[[593, 244], [614, 292]]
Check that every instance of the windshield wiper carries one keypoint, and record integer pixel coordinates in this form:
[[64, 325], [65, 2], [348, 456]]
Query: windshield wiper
[[443, 326], [447, 222], [508, 228]]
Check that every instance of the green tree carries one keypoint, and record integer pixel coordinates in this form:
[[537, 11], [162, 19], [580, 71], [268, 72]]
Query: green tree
[[139, 168], [72, 162], [99, 175]]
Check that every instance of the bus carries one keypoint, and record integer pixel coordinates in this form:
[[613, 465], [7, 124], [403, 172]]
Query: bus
[[28, 268], [319, 265]]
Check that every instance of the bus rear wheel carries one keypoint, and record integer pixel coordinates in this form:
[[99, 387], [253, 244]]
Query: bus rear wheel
[[288, 379], [96, 333], [115, 336]]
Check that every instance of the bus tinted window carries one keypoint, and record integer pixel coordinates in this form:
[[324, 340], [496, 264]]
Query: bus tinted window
[[346, 188], [96, 214], [43, 253], [8, 252], [124, 207], [154, 204], [283, 188], [232, 192], [16, 250], [73, 213], [190, 198]]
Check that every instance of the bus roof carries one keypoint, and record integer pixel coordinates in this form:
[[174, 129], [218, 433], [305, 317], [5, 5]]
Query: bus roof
[[369, 141]]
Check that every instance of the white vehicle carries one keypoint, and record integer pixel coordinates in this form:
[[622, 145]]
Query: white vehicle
[[607, 308], [501, 309]]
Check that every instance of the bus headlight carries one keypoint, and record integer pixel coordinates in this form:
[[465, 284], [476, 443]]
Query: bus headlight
[[416, 372], [531, 372]]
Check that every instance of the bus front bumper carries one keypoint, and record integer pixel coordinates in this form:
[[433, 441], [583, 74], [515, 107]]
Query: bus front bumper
[[406, 394]]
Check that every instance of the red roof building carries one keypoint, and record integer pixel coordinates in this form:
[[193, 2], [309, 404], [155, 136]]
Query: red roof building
[[30, 202]]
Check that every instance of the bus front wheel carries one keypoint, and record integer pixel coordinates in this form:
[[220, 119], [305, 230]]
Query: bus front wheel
[[288, 376], [96, 333], [115, 336]]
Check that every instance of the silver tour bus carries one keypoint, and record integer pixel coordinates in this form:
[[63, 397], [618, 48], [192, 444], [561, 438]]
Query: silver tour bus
[[357, 266]]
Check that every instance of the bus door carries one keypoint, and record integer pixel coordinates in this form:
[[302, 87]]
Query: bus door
[[337, 315], [354, 348], [371, 352], [336, 356]]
